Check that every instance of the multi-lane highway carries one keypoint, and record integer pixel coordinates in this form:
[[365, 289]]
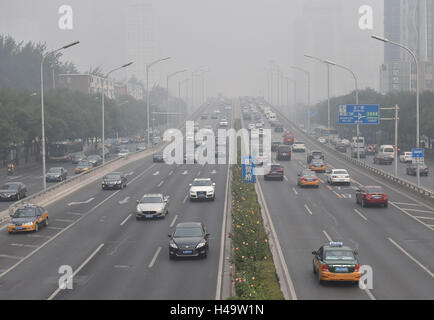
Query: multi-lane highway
[[113, 255], [397, 242]]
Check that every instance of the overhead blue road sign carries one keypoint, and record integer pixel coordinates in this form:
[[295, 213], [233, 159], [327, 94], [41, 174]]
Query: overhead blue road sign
[[359, 114], [248, 167]]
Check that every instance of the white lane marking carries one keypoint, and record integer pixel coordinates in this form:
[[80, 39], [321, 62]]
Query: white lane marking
[[184, 172], [308, 210], [173, 221], [124, 201], [218, 294], [126, 219], [284, 177], [416, 210], [82, 202], [6, 256], [213, 171], [370, 295], [198, 174], [171, 172], [64, 220], [54, 294], [75, 213], [23, 245], [156, 173], [130, 173], [408, 204], [360, 214], [411, 257], [54, 228], [50, 239], [411, 216], [327, 236], [185, 199], [429, 218], [16, 177], [34, 236], [276, 243], [155, 257], [161, 183], [295, 191]]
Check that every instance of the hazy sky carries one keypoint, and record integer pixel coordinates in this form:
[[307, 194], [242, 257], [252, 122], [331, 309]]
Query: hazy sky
[[235, 38]]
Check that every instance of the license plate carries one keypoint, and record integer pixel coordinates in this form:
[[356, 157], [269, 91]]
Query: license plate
[[18, 228], [341, 179], [341, 269], [274, 172], [309, 179], [201, 196], [187, 252], [377, 197], [149, 216]]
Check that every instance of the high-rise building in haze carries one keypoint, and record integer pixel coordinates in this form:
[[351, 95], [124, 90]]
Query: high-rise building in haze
[[410, 23], [141, 44]]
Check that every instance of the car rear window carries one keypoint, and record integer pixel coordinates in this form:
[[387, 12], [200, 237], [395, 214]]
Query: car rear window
[[284, 149], [339, 255], [275, 167], [340, 172], [388, 150], [374, 190]]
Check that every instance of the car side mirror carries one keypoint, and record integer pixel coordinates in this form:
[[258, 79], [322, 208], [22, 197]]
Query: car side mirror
[[358, 190], [356, 252], [314, 253], [190, 184], [213, 184], [169, 235], [207, 234], [137, 201]]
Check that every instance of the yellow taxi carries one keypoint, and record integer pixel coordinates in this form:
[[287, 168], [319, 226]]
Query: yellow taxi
[[317, 165], [308, 178], [28, 218], [336, 262], [83, 166]]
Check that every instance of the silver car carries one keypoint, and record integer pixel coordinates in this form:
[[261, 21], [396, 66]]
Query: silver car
[[153, 205]]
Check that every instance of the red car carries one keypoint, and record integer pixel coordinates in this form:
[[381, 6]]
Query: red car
[[288, 138], [371, 195], [276, 172]]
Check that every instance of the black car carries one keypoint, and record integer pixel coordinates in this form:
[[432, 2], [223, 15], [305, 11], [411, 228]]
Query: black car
[[341, 147], [96, 160], [76, 158], [56, 174], [190, 239], [274, 146], [278, 128], [284, 153], [114, 180], [13, 191], [412, 169], [382, 158], [158, 157]]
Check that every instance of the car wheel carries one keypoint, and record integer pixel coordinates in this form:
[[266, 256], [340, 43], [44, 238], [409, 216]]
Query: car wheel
[[386, 205], [18, 197], [313, 268], [363, 204], [37, 227], [46, 223], [321, 282], [171, 257]]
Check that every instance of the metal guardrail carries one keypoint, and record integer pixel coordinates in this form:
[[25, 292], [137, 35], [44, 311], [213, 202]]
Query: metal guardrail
[[422, 191], [86, 175]]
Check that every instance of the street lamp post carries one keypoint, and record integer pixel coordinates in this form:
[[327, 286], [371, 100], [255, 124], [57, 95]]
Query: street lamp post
[[167, 97], [357, 98], [102, 107], [308, 94], [411, 52], [328, 93], [43, 109], [148, 66]]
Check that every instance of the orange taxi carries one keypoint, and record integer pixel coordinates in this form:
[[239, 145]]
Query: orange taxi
[[28, 218], [308, 178], [317, 165]]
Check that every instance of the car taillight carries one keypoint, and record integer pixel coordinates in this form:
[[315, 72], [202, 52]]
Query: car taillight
[[385, 195], [324, 267], [357, 268], [334, 177]]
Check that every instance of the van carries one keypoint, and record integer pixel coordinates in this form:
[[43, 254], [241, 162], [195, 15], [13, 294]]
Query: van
[[358, 143], [387, 149], [284, 153]]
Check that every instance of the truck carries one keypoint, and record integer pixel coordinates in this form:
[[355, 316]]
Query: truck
[[288, 138]]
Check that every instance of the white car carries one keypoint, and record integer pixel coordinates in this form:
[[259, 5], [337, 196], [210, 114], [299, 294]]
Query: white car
[[406, 157], [299, 147], [123, 153], [258, 125], [338, 176], [322, 140], [251, 126], [202, 189], [346, 142]]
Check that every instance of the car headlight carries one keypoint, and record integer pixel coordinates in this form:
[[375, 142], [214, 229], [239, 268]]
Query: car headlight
[[138, 209], [173, 245], [27, 223], [201, 244], [11, 224], [192, 192], [210, 192]]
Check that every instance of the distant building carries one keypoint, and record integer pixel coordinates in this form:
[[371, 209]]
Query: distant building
[[87, 83], [410, 23]]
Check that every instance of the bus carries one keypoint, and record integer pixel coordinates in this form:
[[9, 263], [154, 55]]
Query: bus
[[61, 151]]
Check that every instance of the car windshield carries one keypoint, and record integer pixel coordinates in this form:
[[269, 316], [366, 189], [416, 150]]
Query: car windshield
[[149, 199], [298, 142], [10, 186], [113, 176], [24, 213], [55, 170], [275, 167], [93, 158], [188, 232], [374, 190], [340, 172], [339, 255], [83, 164], [200, 183], [388, 150], [308, 174], [284, 149]]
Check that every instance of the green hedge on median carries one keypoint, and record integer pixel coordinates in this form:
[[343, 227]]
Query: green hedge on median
[[255, 275]]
